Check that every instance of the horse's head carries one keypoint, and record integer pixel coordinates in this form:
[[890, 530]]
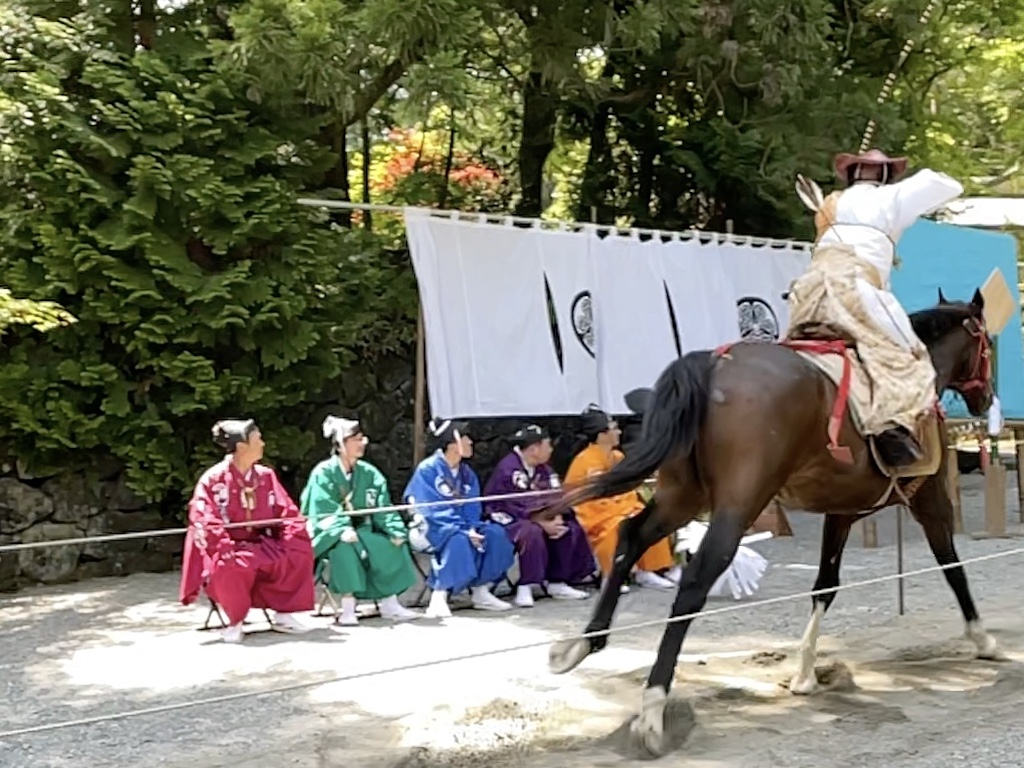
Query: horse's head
[[960, 347]]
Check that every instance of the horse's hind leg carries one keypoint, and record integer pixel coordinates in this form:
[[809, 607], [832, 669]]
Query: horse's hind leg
[[833, 540], [636, 535], [932, 508]]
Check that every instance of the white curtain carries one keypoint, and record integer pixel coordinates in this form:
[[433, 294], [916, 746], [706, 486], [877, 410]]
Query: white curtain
[[535, 322], [491, 346], [760, 275], [569, 275], [703, 295], [653, 301]]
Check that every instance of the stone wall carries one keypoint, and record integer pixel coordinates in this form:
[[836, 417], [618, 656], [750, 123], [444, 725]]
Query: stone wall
[[37, 509], [71, 507]]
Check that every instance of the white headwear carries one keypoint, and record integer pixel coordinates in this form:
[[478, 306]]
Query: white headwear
[[337, 430]]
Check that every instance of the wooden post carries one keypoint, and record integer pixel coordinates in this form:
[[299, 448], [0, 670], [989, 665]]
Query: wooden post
[[772, 518], [995, 499], [784, 528], [869, 532], [420, 390], [1020, 473], [953, 488]]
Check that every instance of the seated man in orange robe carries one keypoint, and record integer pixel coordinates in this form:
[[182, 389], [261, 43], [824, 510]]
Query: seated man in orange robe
[[258, 566], [600, 518]]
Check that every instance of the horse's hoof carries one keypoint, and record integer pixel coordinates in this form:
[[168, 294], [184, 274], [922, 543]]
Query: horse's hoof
[[803, 686], [566, 655], [647, 732], [991, 651], [986, 646]]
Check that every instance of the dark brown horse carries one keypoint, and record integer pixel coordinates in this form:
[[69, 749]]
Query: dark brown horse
[[729, 434]]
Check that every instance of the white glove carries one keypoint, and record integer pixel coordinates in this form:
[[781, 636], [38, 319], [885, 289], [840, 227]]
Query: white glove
[[349, 536]]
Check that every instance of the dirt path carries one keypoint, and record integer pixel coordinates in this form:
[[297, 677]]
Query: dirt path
[[905, 692]]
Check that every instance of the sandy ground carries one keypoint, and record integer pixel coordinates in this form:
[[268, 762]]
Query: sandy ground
[[902, 692]]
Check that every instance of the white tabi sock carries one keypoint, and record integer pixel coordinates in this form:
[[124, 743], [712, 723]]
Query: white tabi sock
[[524, 596], [438, 607], [348, 616], [485, 600], [390, 608]]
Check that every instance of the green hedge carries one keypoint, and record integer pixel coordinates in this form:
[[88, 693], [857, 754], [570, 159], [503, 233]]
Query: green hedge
[[156, 204]]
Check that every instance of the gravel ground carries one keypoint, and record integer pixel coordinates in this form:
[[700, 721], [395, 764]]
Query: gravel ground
[[113, 645]]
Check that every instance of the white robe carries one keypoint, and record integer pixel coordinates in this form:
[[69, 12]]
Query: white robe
[[871, 218]]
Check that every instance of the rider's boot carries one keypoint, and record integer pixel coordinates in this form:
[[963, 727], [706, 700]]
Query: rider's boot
[[898, 448]]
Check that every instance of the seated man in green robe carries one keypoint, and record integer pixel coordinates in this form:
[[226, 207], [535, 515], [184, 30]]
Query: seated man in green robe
[[367, 555]]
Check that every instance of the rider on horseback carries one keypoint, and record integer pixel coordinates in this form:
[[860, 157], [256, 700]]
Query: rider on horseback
[[847, 288]]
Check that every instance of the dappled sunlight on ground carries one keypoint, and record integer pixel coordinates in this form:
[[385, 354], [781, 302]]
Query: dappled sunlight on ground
[[123, 644]]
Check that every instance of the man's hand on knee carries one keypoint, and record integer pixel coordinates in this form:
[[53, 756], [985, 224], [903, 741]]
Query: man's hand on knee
[[349, 536]]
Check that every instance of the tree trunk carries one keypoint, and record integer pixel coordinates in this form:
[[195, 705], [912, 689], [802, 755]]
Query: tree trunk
[[540, 112], [592, 205], [442, 198], [145, 26], [367, 213], [647, 146], [336, 178]]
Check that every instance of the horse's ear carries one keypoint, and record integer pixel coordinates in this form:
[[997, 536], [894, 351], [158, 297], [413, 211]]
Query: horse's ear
[[942, 299], [978, 299]]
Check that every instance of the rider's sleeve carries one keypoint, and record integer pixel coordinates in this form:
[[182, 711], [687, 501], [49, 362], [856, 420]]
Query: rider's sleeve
[[923, 193]]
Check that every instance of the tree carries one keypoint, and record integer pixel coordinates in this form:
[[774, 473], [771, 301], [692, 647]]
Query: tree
[[965, 104], [150, 158], [144, 193]]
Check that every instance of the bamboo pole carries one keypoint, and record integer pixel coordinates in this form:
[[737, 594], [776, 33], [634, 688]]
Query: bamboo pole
[[420, 396]]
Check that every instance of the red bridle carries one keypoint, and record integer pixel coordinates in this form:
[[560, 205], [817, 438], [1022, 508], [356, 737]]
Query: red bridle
[[981, 364]]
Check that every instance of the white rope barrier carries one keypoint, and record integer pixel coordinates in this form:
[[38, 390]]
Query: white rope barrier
[[506, 219], [157, 532], [80, 722]]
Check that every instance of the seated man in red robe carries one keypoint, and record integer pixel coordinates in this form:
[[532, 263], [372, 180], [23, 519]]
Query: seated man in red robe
[[257, 566]]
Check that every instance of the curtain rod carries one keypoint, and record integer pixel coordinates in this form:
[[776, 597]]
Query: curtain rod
[[502, 218]]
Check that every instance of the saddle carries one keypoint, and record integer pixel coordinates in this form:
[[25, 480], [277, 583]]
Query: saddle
[[834, 353]]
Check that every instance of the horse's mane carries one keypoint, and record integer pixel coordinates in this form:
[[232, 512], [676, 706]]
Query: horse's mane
[[930, 325]]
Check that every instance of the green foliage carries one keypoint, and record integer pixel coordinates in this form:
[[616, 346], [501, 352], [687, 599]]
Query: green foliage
[[158, 206], [150, 161], [966, 102], [40, 315]]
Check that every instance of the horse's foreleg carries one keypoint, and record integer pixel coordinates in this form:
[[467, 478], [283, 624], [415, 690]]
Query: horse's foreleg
[[833, 540], [714, 555], [636, 535], [932, 508]]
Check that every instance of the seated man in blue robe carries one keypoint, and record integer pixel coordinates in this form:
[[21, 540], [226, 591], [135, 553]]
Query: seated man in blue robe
[[467, 551]]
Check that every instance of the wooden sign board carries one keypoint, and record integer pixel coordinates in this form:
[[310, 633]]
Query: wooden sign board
[[1000, 306]]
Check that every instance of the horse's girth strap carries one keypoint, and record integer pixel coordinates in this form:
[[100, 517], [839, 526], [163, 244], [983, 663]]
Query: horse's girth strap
[[840, 453]]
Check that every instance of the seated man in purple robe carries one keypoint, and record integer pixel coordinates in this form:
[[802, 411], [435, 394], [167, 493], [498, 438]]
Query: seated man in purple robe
[[552, 551]]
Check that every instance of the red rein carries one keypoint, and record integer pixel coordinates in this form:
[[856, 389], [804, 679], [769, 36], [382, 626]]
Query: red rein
[[981, 366]]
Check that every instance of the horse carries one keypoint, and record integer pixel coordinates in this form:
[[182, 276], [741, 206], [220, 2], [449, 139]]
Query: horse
[[731, 431]]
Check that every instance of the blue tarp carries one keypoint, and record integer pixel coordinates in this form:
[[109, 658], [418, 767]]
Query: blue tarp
[[958, 260]]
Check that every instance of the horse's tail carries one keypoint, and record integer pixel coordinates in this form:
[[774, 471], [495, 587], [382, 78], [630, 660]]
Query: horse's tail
[[672, 423]]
